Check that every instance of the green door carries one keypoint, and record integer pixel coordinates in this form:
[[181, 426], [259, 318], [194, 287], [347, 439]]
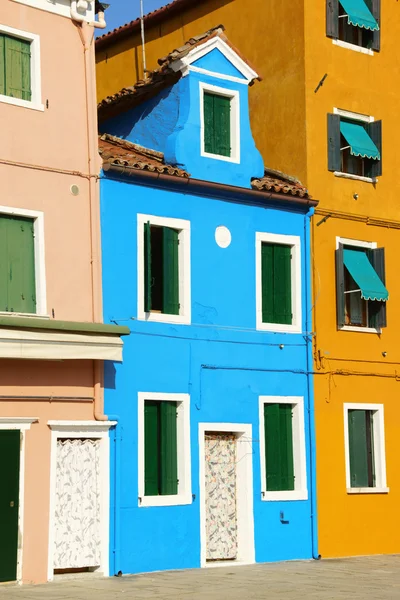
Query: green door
[[9, 502]]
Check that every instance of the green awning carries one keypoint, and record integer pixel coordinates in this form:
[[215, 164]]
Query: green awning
[[358, 14], [365, 276], [359, 141]]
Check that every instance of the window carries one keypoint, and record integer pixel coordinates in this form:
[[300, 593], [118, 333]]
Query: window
[[354, 146], [361, 294], [278, 282], [164, 449], [164, 269], [20, 68], [365, 448], [220, 123], [282, 445], [354, 22], [17, 266]]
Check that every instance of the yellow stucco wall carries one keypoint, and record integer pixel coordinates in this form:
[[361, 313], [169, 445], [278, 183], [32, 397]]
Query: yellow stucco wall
[[286, 41]]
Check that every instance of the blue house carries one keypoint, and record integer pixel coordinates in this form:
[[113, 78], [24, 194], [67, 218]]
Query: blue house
[[206, 258]]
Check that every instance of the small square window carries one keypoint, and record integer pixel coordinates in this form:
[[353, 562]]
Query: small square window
[[164, 449], [365, 448], [354, 22], [361, 292], [278, 282], [282, 445], [163, 269]]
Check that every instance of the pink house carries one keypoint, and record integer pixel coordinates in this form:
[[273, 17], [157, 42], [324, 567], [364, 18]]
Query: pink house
[[54, 436]]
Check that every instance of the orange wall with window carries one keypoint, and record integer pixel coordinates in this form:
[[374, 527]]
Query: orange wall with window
[[287, 42]]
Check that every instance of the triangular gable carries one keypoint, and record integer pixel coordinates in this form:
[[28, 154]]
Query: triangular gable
[[216, 62], [192, 60]]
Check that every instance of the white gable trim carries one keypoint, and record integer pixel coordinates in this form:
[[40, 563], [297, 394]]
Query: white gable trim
[[215, 43], [192, 69]]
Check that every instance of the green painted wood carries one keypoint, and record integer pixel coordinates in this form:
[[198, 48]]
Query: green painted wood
[[276, 283], [147, 267], [2, 64], [376, 11], [222, 125], [151, 448], [340, 299], [358, 452], [169, 450], [286, 443], [334, 154], [279, 462], [9, 503], [332, 18], [208, 102], [17, 267], [18, 68], [170, 271], [267, 282], [374, 130]]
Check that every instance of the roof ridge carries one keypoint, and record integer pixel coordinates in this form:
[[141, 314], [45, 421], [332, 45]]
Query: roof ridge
[[131, 145]]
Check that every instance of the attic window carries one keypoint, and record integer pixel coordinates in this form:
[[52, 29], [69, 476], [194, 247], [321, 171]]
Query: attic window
[[220, 123]]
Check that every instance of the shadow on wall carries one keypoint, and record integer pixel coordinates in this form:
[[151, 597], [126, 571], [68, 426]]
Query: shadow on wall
[[109, 375]]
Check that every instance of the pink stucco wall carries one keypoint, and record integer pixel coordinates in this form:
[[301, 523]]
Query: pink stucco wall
[[43, 153]]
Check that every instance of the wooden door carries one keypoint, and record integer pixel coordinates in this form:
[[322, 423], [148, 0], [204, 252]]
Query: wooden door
[[220, 497], [9, 503]]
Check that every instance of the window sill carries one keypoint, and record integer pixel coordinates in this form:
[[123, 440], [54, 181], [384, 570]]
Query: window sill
[[22, 103], [278, 328], [353, 47], [360, 329], [363, 490], [178, 500], [284, 496], [155, 317], [231, 159], [356, 177], [24, 315]]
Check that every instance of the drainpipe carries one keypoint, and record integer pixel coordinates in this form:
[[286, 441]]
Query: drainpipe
[[76, 16], [117, 493], [310, 386]]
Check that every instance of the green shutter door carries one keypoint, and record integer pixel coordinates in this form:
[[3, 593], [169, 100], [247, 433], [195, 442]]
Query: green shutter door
[[17, 266], [358, 448], [169, 451], [147, 266], [2, 64], [272, 447], [286, 443], [222, 125], [9, 503], [170, 271], [208, 101], [18, 68], [276, 283], [151, 448]]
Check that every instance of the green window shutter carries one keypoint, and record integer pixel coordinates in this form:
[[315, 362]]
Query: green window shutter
[[147, 267], [340, 300], [377, 310], [374, 130], [222, 125], [267, 282], [334, 155], [286, 443], [170, 271], [18, 68], [332, 18], [169, 451], [376, 11], [208, 102], [358, 451], [17, 266], [151, 448], [2, 64], [283, 284]]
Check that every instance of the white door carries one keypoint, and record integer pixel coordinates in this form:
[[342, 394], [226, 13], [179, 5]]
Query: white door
[[77, 539], [220, 496]]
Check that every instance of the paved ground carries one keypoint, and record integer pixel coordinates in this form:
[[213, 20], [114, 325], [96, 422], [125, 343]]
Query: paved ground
[[376, 578]]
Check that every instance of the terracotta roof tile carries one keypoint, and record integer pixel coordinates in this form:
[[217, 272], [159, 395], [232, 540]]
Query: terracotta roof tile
[[280, 183], [119, 152]]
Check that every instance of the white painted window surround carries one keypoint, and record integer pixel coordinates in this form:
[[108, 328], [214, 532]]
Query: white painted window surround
[[183, 227], [353, 47], [357, 244], [35, 102], [299, 449], [235, 121], [40, 272], [379, 448], [294, 242], [184, 495], [58, 7]]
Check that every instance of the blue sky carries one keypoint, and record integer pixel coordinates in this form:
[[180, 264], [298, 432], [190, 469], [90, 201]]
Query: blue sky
[[123, 11]]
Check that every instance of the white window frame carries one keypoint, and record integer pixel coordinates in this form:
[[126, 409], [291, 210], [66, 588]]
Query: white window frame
[[294, 242], [354, 47], [183, 227], [184, 495], [357, 244], [347, 114], [379, 448], [40, 271], [35, 102], [58, 7], [299, 449], [235, 121]]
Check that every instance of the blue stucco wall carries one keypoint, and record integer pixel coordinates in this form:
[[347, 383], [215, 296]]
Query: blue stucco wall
[[216, 62], [220, 360]]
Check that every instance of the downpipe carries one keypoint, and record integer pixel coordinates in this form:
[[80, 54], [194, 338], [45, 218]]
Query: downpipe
[[79, 18]]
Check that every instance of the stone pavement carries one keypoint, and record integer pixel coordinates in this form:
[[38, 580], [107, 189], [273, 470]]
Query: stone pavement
[[376, 578]]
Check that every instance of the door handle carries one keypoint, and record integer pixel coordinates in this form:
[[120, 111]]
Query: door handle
[[12, 503]]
